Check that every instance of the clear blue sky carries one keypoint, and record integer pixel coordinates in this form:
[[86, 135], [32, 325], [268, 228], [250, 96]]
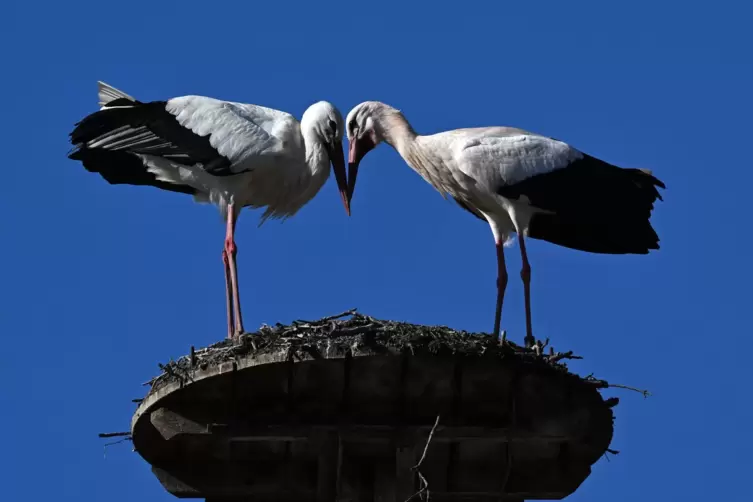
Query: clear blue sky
[[100, 283]]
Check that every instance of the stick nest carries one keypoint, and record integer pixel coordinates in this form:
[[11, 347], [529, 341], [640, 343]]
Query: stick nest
[[364, 335]]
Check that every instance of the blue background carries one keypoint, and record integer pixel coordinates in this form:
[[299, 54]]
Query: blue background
[[100, 282]]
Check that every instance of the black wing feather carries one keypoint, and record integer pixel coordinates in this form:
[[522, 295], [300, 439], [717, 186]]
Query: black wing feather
[[106, 141], [594, 206], [144, 128]]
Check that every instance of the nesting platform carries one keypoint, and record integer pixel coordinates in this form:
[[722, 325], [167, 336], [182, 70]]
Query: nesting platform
[[337, 410]]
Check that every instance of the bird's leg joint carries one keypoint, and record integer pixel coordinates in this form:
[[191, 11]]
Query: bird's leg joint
[[525, 272], [502, 279], [230, 248]]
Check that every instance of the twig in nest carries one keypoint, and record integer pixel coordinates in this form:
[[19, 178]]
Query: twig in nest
[[151, 382], [613, 452], [563, 355], [327, 319], [168, 369], [357, 316], [357, 330], [288, 332], [640, 391], [112, 444], [113, 434], [424, 486]]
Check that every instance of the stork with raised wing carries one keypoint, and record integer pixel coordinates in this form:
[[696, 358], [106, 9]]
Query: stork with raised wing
[[230, 154], [520, 183]]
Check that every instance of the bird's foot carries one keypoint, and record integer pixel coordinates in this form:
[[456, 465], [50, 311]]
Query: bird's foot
[[530, 343], [238, 338], [503, 337]]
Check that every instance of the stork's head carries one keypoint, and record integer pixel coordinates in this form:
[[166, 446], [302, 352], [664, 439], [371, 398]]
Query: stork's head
[[366, 126], [326, 123]]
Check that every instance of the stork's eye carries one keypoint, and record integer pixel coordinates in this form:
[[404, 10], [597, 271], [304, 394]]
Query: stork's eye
[[333, 126]]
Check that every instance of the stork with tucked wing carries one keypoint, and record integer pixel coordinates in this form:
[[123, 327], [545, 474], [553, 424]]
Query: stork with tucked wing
[[520, 183]]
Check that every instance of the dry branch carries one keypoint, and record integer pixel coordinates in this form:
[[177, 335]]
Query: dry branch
[[563, 355], [113, 434], [424, 485], [618, 386], [328, 318]]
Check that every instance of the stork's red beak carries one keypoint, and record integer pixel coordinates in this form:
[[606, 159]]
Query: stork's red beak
[[357, 148], [337, 157]]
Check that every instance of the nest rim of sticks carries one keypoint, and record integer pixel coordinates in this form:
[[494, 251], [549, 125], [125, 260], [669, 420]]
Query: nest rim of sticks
[[358, 336]]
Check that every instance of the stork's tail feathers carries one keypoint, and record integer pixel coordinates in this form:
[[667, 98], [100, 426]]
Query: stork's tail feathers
[[118, 167], [97, 141], [110, 96], [595, 236], [600, 208]]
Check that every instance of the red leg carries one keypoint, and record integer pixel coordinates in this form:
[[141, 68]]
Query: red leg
[[501, 285], [229, 294], [231, 249], [525, 274]]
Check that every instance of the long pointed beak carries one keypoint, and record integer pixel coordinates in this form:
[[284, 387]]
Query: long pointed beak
[[353, 160], [337, 157]]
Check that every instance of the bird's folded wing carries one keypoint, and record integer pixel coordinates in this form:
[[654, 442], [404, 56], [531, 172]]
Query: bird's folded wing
[[249, 136], [144, 128], [509, 157], [556, 177]]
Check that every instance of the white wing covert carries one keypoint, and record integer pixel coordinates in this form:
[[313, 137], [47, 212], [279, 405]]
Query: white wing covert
[[508, 157], [249, 136]]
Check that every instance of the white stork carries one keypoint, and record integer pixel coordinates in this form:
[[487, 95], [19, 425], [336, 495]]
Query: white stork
[[231, 154], [520, 183]]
